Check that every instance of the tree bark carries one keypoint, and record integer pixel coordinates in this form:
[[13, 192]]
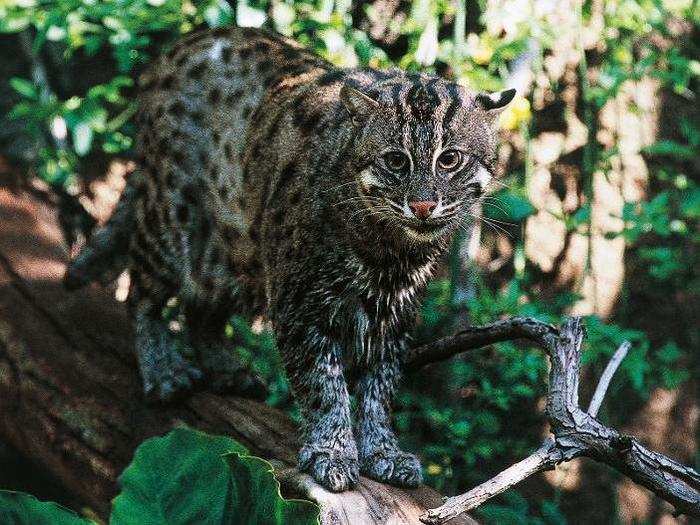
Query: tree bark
[[70, 394]]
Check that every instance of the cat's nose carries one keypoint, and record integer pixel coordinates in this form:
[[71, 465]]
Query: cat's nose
[[422, 209]]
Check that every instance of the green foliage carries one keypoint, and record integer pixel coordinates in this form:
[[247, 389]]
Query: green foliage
[[184, 477], [99, 120], [22, 509], [514, 509], [256, 496], [258, 350], [192, 477], [178, 478]]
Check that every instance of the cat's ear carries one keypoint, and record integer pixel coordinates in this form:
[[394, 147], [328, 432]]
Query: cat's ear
[[494, 103], [359, 105]]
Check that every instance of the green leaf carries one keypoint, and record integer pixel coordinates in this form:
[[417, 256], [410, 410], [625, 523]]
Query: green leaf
[[670, 148], [23, 87], [672, 379], [461, 428], [178, 478], [552, 514], [581, 216], [669, 353], [508, 207], [256, 496], [690, 203], [20, 509], [20, 110], [191, 477]]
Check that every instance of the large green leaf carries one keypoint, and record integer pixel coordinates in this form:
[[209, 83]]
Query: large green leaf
[[17, 508], [257, 499], [178, 478], [191, 477]]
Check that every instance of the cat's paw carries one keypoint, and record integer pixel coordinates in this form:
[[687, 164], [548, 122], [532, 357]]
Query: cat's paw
[[334, 470], [394, 467], [170, 379]]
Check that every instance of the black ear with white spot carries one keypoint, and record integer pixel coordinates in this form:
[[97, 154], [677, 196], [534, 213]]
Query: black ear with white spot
[[495, 102], [359, 105]]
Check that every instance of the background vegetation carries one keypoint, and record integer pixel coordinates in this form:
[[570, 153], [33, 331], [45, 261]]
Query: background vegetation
[[596, 212]]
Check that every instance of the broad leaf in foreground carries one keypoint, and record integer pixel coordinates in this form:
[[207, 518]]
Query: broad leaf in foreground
[[257, 498], [18, 508], [177, 478], [191, 477]]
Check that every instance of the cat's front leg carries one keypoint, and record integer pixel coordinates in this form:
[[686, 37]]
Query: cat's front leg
[[379, 453], [315, 370]]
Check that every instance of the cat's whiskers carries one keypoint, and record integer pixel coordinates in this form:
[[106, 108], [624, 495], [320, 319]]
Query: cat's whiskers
[[369, 212], [493, 205], [491, 223], [364, 198], [394, 205], [503, 184]]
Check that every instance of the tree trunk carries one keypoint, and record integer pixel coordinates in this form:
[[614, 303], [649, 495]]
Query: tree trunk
[[70, 394]]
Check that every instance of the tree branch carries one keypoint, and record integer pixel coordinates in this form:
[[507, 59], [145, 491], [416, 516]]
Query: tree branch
[[578, 433], [474, 337], [606, 377]]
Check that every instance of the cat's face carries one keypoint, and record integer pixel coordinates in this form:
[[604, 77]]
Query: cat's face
[[425, 152]]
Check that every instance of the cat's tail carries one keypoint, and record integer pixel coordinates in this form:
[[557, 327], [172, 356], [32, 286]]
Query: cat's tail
[[106, 253]]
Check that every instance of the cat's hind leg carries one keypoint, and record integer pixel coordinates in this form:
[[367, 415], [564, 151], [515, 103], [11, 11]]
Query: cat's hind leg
[[224, 370], [165, 371]]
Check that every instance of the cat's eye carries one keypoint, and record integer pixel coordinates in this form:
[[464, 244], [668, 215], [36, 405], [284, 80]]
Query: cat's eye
[[396, 161], [449, 160]]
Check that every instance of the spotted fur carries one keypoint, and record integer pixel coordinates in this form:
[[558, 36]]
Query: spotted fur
[[268, 185]]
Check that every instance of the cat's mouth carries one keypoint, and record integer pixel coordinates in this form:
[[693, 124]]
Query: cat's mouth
[[425, 230], [425, 227], [416, 229]]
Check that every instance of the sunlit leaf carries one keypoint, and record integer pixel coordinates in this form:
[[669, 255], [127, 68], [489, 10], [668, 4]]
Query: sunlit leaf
[[82, 138], [23, 87]]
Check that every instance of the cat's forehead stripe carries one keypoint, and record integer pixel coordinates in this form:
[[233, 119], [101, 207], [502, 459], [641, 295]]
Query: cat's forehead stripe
[[455, 103], [425, 110]]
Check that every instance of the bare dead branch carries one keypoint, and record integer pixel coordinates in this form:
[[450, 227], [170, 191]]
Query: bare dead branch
[[578, 433], [604, 382], [545, 458], [475, 337]]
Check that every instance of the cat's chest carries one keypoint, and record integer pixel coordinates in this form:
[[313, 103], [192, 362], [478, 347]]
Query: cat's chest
[[386, 296], [381, 310]]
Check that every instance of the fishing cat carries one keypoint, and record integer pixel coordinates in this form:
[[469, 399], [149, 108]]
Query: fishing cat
[[272, 183]]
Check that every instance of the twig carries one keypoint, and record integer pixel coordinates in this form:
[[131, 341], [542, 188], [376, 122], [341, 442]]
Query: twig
[[545, 458], [578, 433], [605, 378]]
